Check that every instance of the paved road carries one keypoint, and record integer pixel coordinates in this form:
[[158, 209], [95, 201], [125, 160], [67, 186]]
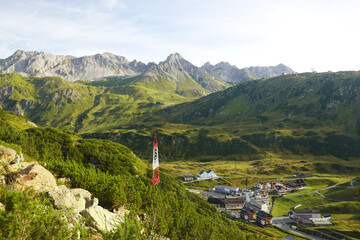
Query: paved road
[[283, 222]]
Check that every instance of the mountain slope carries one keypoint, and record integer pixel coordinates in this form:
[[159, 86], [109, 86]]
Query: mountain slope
[[308, 113], [322, 99], [114, 175], [52, 101]]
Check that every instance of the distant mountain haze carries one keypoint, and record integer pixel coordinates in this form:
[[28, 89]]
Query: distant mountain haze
[[100, 66]]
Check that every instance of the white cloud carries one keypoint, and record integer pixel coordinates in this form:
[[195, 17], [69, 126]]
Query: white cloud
[[111, 4]]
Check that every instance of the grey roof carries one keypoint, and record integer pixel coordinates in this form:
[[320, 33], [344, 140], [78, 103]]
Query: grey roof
[[228, 187], [246, 210], [263, 214], [188, 175], [309, 210]]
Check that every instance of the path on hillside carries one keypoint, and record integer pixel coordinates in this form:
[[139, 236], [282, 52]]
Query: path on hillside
[[335, 200], [318, 192], [315, 191]]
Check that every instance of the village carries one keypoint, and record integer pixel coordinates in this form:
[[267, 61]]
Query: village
[[254, 205]]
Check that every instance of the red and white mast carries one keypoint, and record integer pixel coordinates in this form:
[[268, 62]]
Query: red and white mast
[[155, 164]]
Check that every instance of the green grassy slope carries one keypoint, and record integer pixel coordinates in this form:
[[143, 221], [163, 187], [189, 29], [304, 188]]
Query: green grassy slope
[[299, 101], [82, 106], [308, 113]]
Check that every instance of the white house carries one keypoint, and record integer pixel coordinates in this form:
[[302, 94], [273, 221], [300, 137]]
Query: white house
[[206, 175], [264, 185]]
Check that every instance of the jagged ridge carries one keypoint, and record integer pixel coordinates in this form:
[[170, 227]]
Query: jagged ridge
[[182, 76]]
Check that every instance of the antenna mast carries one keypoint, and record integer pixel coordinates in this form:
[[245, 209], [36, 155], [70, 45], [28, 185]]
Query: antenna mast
[[156, 174]]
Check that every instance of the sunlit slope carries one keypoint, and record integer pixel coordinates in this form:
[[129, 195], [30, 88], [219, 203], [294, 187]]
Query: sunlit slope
[[81, 106], [306, 113]]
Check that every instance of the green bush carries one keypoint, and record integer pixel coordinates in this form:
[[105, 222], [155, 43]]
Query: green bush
[[28, 216]]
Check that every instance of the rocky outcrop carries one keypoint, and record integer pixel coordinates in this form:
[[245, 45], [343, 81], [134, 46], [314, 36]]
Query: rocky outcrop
[[64, 199], [21, 175], [34, 177], [2, 207], [83, 197], [78, 200], [9, 156], [10, 161], [102, 219]]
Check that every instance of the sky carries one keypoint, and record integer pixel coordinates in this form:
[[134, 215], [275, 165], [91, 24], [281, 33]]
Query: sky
[[323, 35]]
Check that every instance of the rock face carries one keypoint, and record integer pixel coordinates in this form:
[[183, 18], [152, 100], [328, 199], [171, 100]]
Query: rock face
[[64, 199], [230, 73], [7, 102], [78, 200], [102, 219], [70, 68], [82, 197], [34, 176]]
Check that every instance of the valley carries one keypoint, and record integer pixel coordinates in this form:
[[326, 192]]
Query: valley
[[256, 131], [179, 120]]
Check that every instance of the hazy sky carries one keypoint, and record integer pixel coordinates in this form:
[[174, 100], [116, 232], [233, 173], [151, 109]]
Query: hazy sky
[[303, 34]]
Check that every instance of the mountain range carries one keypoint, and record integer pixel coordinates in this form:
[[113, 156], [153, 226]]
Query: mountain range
[[179, 74]]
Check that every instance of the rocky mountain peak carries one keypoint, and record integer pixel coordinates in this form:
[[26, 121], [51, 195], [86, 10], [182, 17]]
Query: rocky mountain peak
[[174, 60], [206, 65], [174, 57], [18, 52], [224, 65]]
